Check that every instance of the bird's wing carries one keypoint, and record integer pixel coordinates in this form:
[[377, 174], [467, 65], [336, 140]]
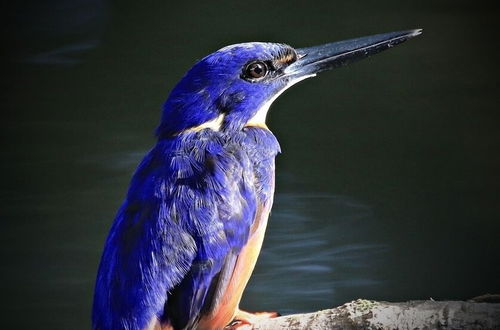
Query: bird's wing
[[221, 228], [208, 297]]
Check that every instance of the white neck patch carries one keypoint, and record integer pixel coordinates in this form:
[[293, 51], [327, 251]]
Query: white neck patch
[[214, 124]]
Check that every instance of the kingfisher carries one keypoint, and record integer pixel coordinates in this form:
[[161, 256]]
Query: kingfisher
[[186, 239]]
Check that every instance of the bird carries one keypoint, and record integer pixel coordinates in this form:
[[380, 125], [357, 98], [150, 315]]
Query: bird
[[186, 239]]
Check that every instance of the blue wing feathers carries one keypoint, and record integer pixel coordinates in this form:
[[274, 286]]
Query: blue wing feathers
[[187, 214]]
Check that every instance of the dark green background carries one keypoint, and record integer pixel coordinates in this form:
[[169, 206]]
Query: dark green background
[[387, 188]]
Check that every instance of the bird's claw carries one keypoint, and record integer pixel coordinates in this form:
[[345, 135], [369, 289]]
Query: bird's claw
[[238, 324], [245, 320]]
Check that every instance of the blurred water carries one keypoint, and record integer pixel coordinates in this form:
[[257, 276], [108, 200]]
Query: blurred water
[[387, 187], [313, 242]]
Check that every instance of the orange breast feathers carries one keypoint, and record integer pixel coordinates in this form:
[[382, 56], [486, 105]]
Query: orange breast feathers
[[227, 309]]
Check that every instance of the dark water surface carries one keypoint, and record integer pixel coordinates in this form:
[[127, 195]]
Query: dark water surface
[[388, 186]]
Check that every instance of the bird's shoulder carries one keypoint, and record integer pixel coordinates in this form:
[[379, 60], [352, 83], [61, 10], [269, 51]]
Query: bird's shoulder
[[200, 158], [202, 180]]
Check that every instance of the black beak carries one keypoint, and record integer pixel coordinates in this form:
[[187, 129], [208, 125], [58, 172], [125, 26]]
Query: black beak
[[312, 60]]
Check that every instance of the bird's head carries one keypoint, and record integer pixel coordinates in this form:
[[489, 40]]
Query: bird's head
[[235, 86]]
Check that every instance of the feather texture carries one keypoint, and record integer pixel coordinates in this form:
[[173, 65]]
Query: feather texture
[[187, 215]]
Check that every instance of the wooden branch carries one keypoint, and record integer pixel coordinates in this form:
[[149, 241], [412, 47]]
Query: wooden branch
[[367, 314]]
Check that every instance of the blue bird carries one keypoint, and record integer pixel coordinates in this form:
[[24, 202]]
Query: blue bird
[[186, 239]]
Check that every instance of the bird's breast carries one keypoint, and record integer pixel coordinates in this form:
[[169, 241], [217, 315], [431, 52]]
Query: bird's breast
[[224, 313]]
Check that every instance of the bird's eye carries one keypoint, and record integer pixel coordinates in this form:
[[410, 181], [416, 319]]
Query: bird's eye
[[256, 70]]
